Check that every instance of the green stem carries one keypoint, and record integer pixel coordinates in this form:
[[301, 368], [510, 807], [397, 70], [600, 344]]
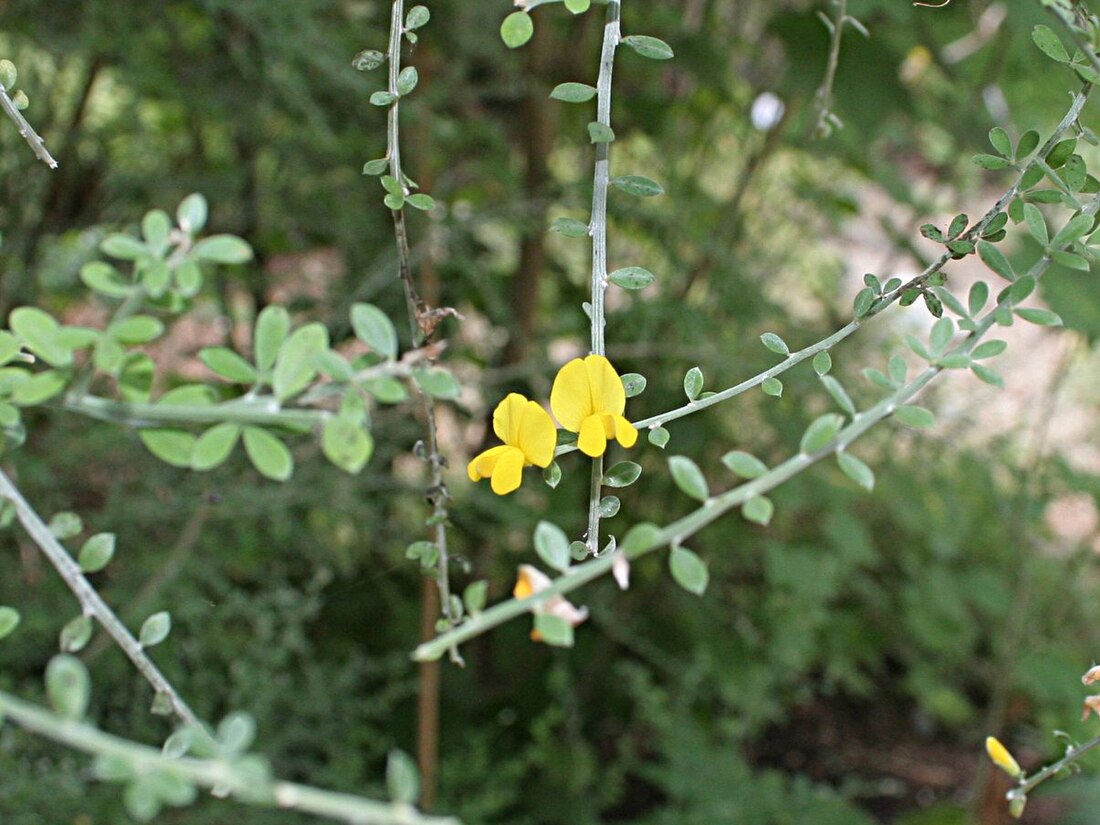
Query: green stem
[[261, 412], [213, 773], [25, 130]]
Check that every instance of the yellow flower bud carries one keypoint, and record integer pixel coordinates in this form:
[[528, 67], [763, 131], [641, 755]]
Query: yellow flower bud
[[1002, 758]]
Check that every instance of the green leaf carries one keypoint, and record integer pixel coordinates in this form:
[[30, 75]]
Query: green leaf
[[993, 258], [294, 369], [191, 213], [437, 382], [272, 326], [578, 6], [1070, 260], [376, 167], [235, 733], [775, 343], [758, 509], [570, 227], [987, 375], [1077, 226], [65, 525], [573, 92], [417, 17], [155, 227], [600, 133], [609, 506], [374, 328], [863, 302], [38, 388], [407, 80], [990, 162], [913, 416], [223, 362], [821, 432], [9, 620], [856, 470], [744, 464], [402, 776], [141, 800], [631, 277], [123, 247], [1027, 144], [1049, 44], [68, 686], [188, 279], [633, 384], [650, 47], [838, 394], [39, 333], [639, 539], [979, 296], [475, 596], [693, 383], [155, 629], [382, 99], [688, 570], [1020, 290], [622, 474], [8, 74], [386, 389], [823, 362], [1042, 317], [75, 634], [637, 185], [346, 444], [425, 203], [658, 437], [942, 333], [554, 630], [97, 552], [552, 546], [988, 349], [139, 329], [516, 29], [223, 249], [1036, 223], [268, 454], [772, 387], [688, 477], [214, 446], [103, 278], [1000, 141]]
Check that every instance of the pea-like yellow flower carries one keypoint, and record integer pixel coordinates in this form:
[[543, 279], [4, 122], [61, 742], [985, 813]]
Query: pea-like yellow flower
[[530, 581], [529, 438], [588, 399], [1001, 757]]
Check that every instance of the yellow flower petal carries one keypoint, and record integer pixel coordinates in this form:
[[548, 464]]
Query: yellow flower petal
[[508, 416], [592, 440], [537, 435], [571, 395], [625, 432], [1001, 757], [508, 472], [608, 395], [484, 462]]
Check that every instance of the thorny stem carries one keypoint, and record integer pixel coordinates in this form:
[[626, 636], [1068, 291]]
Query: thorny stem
[[91, 602], [598, 230], [25, 130], [437, 493], [718, 505], [214, 773], [823, 99]]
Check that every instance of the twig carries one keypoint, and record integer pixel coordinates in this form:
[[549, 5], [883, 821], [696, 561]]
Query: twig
[[91, 602], [214, 773], [823, 98], [437, 492], [598, 230], [25, 130]]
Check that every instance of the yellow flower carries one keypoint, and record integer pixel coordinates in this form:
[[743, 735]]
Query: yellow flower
[[530, 581], [529, 438], [1001, 757], [588, 398]]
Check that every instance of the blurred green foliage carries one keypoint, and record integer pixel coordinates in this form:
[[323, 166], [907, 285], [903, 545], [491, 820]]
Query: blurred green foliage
[[854, 627]]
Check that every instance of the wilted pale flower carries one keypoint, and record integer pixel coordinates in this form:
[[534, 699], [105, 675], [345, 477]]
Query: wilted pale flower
[[531, 580], [588, 399], [1002, 758], [529, 438]]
